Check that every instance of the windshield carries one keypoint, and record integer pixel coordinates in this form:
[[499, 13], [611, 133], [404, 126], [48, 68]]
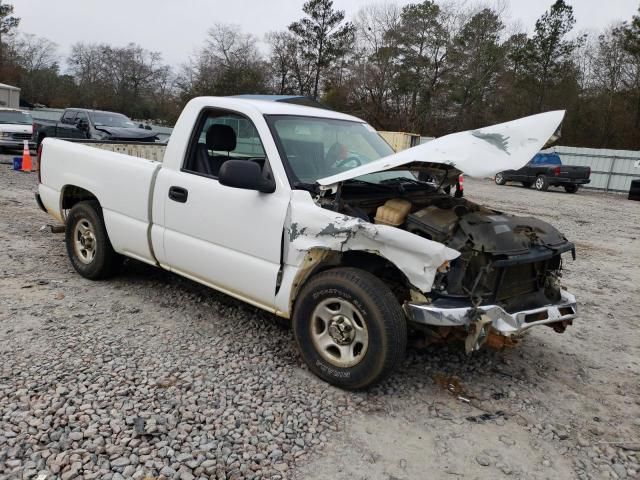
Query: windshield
[[320, 147], [104, 119], [14, 117]]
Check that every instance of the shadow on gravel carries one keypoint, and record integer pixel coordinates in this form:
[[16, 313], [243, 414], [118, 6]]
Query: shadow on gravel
[[487, 374]]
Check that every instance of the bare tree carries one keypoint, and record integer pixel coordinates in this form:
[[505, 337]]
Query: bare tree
[[374, 61], [229, 63], [8, 23], [35, 53], [283, 56]]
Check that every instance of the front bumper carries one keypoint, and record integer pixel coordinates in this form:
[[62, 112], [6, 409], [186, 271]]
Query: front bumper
[[479, 321], [568, 181], [13, 143]]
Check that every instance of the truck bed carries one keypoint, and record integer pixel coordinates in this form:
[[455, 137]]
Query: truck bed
[[122, 181], [146, 150]]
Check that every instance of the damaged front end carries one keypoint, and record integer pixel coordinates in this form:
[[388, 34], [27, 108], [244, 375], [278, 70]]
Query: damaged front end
[[506, 280]]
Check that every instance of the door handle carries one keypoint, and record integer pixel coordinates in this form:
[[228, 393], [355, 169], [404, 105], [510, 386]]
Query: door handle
[[178, 194]]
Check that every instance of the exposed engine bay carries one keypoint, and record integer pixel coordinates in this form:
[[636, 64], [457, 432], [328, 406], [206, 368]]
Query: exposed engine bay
[[505, 260]]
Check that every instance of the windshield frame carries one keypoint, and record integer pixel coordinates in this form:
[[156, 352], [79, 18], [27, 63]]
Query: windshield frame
[[16, 112], [271, 119]]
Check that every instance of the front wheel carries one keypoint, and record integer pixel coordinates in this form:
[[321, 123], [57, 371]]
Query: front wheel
[[499, 179], [571, 188], [349, 328], [542, 183], [88, 244]]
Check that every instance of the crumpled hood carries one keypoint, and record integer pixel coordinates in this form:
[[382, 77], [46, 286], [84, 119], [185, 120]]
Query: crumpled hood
[[506, 234], [476, 153], [127, 133]]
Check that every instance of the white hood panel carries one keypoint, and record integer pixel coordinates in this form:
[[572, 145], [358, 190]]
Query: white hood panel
[[477, 153]]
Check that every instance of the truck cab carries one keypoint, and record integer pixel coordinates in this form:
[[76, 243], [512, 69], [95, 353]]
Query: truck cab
[[97, 125]]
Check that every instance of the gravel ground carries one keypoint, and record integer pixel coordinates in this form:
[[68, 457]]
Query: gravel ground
[[153, 376]]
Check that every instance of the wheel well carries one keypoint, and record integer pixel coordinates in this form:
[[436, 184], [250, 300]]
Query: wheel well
[[319, 260], [72, 195]]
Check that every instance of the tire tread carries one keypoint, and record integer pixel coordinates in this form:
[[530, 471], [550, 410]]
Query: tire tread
[[394, 322]]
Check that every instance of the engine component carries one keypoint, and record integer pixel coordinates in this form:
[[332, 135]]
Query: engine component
[[394, 212], [433, 223]]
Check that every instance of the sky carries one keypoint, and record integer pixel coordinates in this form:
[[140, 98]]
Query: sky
[[176, 28]]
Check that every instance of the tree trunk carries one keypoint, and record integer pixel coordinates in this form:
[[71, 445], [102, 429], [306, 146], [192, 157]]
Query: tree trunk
[[318, 64]]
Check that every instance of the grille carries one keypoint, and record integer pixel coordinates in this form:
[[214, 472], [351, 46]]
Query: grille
[[21, 136], [520, 279]]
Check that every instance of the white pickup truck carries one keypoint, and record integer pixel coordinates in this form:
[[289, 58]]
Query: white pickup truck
[[309, 214]]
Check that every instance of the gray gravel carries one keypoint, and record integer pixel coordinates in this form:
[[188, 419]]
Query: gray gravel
[[153, 376]]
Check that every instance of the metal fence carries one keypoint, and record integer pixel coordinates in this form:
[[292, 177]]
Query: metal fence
[[611, 170]]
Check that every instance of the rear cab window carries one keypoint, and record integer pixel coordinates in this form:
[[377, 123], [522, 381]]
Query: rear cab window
[[546, 159]]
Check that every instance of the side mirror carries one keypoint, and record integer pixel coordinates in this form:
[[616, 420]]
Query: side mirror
[[244, 174]]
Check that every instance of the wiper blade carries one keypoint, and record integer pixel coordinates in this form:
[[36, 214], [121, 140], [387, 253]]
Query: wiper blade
[[355, 181], [403, 180]]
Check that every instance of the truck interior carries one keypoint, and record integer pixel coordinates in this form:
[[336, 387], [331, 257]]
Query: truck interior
[[223, 136]]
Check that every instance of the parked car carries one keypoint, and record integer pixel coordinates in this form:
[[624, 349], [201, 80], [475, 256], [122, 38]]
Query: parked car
[[91, 125], [545, 170], [310, 215], [15, 128]]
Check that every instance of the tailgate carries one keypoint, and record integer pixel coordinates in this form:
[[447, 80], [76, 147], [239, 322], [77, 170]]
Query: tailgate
[[578, 173]]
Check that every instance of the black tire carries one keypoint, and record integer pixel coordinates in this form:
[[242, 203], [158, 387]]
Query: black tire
[[571, 188], [499, 179], [542, 183], [375, 307], [526, 184], [92, 256]]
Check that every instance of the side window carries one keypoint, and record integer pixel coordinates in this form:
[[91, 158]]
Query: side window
[[68, 117], [81, 116], [222, 136]]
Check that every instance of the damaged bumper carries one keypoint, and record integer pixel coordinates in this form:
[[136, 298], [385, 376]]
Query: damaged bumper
[[481, 321]]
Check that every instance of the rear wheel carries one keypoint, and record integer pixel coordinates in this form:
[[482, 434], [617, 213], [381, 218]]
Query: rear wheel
[[571, 188], [349, 328], [499, 179], [542, 183], [88, 245]]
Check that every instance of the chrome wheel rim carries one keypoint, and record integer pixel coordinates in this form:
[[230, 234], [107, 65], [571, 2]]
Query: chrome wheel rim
[[539, 183], [499, 178], [339, 332], [84, 241]]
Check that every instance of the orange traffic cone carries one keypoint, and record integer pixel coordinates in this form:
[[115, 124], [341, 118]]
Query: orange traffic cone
[[26, 158]]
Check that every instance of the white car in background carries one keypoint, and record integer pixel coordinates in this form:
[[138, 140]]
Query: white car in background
[[16, 126]]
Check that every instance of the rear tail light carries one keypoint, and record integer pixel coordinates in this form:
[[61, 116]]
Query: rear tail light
[[461, 183], [39, 163], [556, 171]]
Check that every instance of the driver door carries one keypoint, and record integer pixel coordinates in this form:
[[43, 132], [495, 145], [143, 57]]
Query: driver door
[[228, 238]]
